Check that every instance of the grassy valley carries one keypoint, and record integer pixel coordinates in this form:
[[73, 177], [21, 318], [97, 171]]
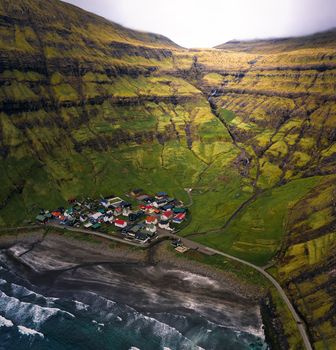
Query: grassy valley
[[89, 108]]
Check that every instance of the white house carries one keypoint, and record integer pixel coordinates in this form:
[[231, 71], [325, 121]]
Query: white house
[[164, 224], [82, 219], [106, 218], [126, 211], [151, 228], [96, 215]]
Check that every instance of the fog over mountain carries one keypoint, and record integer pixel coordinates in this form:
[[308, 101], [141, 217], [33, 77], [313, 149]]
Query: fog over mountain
[[209, 23]]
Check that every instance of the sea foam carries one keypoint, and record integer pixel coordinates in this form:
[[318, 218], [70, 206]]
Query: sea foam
[[24, 312], [28, 331], [5, 323], [195, 279]]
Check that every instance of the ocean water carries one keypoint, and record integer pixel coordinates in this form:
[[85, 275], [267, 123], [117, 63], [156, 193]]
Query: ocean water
[[36, 318]]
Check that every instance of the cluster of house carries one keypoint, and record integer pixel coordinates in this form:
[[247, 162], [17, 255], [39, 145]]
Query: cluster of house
[[141, 223]]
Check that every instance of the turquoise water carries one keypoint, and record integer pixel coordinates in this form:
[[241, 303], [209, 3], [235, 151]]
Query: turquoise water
[[77, 319]]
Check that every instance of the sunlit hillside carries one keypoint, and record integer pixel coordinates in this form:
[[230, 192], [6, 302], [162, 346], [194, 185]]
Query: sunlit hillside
[[90, 108]]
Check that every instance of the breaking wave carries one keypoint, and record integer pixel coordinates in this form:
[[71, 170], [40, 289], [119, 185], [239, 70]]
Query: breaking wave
[[30, 332], [83, 319], [27, 313], [5, 323]]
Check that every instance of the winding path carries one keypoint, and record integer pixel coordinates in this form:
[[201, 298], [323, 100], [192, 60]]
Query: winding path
[[282, 293], [299, 322]]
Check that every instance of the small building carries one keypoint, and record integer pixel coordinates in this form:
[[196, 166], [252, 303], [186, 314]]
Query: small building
[[149, 208], [179, 218], [96, 226], [48, 215], [181, 249], [164, 224], [96, 215], [136, 192], [149, 199], [142, 197], [151, 228], [83, 218], [41, 219], [120, 223], [141, 236], [68, 212], [167, 215], [151, 220], [179, 210], [135, 228], [160, 195], [56, 214], [104, 202], [117, 211], [126, 211], [124, 204], [158, 203], [88, 225], [167, 207], [135, 216]]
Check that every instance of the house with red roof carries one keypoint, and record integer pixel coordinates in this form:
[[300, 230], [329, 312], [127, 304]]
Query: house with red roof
[[151, 220], [117, 211], [120, 223], [166, 215], [179, 218]]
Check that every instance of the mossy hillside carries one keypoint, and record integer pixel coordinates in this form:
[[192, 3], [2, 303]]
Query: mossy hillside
[[91, 62], [90, 108], [290, 330], [118, 169], [256, 232], [80, 25], [307, 263]]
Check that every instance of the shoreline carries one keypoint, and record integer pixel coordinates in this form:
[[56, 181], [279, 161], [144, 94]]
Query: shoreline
[[100, 251], [161, 256]]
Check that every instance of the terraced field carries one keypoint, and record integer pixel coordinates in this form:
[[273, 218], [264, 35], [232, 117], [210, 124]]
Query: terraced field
[[90, 108]]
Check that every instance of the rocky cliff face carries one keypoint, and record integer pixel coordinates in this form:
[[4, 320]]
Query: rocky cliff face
[[89, 108]]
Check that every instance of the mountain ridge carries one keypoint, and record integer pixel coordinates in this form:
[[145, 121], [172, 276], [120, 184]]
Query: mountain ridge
[[87, 110], [325, 38]]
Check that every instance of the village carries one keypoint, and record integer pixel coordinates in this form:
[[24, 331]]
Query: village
[[139, 218]]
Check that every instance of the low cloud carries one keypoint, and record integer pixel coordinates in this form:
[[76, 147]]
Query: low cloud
[[200, 23]]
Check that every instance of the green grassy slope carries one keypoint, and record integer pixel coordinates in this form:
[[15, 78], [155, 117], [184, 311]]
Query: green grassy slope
[[89, 108], [307, 261]]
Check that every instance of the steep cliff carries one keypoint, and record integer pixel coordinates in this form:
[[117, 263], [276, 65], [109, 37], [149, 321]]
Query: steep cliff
[[89, 108]]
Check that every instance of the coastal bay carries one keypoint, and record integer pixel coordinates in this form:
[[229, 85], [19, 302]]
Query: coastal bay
[[178, 303]]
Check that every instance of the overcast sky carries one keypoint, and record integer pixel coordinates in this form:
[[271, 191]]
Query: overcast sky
[[206, 23]]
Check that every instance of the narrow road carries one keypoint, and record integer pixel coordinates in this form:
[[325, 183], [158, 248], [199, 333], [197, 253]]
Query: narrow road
[[99, 234], [194, 245], [299, 322]]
